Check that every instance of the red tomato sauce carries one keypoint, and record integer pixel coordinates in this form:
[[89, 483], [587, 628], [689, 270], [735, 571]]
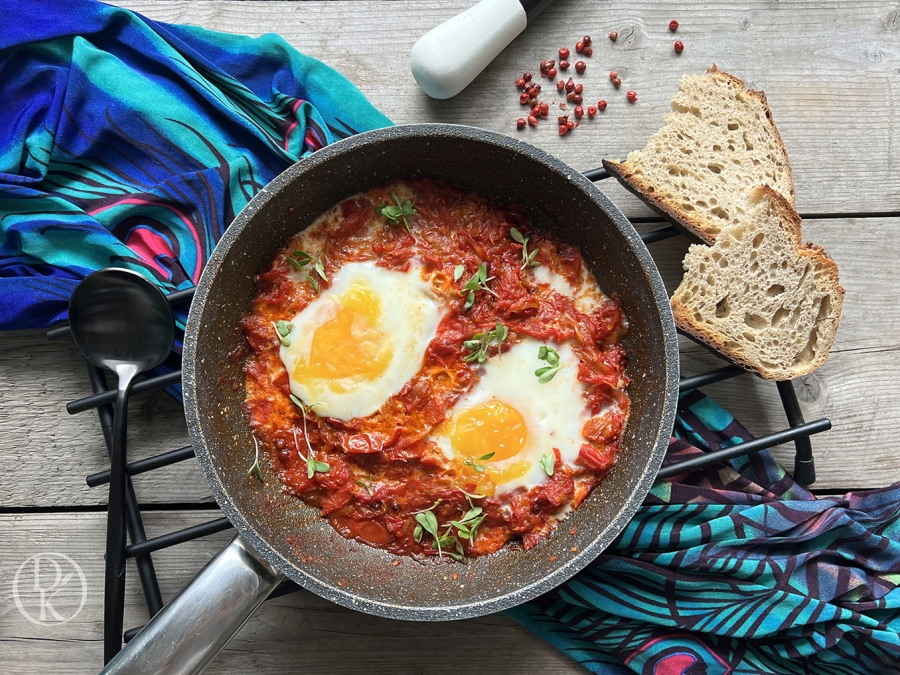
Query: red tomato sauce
[[383, 469]]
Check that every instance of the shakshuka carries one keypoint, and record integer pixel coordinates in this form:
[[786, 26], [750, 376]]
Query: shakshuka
[[434, 374]]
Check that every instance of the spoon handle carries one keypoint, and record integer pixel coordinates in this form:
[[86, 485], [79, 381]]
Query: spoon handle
[[113, 603]]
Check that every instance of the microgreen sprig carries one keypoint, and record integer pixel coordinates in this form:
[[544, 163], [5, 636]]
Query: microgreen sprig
[[397, 212], [548, 463], [467, 526], [480, 343], [528, 259], [546, 373], [478, 282], [426, 521], [313, 466], [255, 469], [300, 260], [474, 462], [283, 329]]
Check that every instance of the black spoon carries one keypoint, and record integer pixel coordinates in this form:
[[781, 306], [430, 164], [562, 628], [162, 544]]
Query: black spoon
[[121, 322]]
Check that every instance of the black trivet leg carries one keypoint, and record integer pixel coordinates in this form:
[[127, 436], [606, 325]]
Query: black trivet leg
[[804, 463]]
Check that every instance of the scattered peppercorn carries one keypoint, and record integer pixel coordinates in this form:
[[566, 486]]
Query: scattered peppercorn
[[520, 83], [564, 52], [570, 96], [631, 96], [570, 124], [679, 46], [527, 77], [563, 129], [577, 98], [580, 67], [617, 82], [532, 120], [544, 109], [588, 51], [578, 88], [570, 85], [579, 111], [592, 110], [613, 75], [579, 46], [533, 92], [524, 98], [560, 85], [563, 65], [613, 35], [601, 105], [520, 123], [562, 106], [562, 119], [536, 109], [587, 40], [551, 73], [527, 86], [673, 25]]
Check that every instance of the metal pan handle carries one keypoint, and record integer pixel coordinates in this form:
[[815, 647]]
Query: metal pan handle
[[196, 625]]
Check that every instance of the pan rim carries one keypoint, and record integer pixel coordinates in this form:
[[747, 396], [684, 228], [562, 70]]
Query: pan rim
[[475, 608]]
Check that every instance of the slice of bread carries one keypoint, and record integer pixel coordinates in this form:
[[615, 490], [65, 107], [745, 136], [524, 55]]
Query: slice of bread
[[758, 296], [718, 142]]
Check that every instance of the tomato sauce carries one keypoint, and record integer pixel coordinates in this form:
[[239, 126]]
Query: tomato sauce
[[383, 469]]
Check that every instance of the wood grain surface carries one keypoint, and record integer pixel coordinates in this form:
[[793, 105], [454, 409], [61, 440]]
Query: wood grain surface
[[832, 75], [297, 633]]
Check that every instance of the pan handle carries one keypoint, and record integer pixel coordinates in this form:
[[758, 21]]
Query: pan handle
[[188, 633]]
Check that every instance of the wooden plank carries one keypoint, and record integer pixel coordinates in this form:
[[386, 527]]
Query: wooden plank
[[858, 389], [296, 629], [53, 451], [831, 77]]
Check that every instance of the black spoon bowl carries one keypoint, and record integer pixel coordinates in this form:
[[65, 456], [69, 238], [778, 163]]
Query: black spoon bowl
[[121, 322]]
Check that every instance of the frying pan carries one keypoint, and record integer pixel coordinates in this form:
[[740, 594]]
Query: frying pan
[[278, 535]]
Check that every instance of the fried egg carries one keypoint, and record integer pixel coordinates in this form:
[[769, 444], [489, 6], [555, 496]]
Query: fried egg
[[511, 414], [361, 340]]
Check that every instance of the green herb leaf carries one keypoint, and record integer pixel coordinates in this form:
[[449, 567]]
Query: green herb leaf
[[478, 282], [458, 272], [551, 357], [528, 259], [300, 260], [255, 470], [485, 457], [480, 343], [547, 464], [397, 212], [283, 330], [417, 533]]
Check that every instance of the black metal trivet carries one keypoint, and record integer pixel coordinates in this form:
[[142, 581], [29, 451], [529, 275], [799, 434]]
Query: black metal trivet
[[141, 548]]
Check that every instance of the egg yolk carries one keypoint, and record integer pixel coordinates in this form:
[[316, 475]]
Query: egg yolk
[[352, 344], [492, 427]]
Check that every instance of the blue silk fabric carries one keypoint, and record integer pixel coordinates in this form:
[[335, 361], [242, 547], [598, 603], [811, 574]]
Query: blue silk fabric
[[132, 143]]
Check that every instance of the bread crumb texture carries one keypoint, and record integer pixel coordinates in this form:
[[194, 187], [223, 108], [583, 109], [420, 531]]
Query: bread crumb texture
[[757, 295], [717, 141]]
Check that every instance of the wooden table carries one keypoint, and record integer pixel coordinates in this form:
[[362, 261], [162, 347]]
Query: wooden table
[[832, 76]]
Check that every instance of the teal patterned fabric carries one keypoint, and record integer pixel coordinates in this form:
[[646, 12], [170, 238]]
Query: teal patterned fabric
[[132, 143], [735, 569]]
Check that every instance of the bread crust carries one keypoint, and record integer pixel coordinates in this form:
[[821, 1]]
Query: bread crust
[[816, 254], [690, 225]]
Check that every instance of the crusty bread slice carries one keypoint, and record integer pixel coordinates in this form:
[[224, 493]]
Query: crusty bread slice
[[718, 142], [758, 296]]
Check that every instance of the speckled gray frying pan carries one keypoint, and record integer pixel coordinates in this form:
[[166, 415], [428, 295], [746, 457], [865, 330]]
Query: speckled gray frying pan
[[281, 537]]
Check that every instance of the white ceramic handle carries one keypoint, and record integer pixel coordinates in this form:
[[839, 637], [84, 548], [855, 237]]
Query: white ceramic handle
[[447, 58]]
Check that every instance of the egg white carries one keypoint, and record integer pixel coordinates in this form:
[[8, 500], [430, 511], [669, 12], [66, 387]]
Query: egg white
[[554, 412], [410, 314]]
